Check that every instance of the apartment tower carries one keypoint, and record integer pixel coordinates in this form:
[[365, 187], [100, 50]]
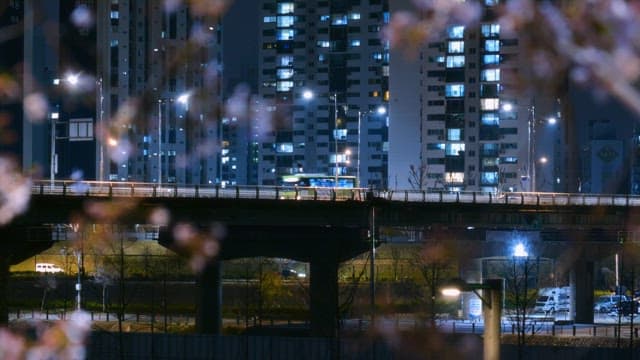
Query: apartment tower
[[323, 72]]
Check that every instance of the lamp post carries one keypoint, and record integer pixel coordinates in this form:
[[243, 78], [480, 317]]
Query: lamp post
[[381, 110], [159, 142], [334, 97], [101, 127], [532, 123], [359, 139], [532, 148], [491, 310]]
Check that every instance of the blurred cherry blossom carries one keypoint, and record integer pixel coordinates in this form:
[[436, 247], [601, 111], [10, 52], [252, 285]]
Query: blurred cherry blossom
[[596, 43], [35, 107], [15, 191], [200, 247], [82, 17]]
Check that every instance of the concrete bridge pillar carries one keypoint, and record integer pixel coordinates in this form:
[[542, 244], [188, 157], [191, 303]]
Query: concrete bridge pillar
[[581, 278], [209, 299], [324, 297], [4, 288]]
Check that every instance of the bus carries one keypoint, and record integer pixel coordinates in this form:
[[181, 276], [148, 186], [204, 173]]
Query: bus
[[319, 181], [313, 186]]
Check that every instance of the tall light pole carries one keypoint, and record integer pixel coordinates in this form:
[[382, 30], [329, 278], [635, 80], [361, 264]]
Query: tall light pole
[[380, 110], [359, 139], [491, 310], [335, 136], [72, 80], [159, 142], [52, 160], [532, 147], [102, 128]]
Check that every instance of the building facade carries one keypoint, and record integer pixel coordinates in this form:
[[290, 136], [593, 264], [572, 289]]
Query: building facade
[[477, 130], [330, 51], [165, 62]]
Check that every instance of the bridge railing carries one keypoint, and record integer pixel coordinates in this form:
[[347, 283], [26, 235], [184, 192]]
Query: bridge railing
[[138, 189], [513, 198]]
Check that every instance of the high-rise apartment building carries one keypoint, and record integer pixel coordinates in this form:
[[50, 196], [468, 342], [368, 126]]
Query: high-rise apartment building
[[475, 128], [169, 60], [39, 41], [332, 50]]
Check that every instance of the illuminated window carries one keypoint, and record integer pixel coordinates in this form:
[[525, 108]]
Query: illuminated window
[[284, 86], [490, 30], [285, 60], [339, 20], [355, 43], [489, 104], [454, 177], [454, 90], [340, 134], [286, 21], [285, 74], [456, 32], [492, 45], [323, 43], [285, 34], [269, 19], [491, 59], [490, 75], [455, 47], [455, 61], [454, 149], [454, 134], [489, 178], [285, 8], [490, 119], [354, 16], [284, 148]]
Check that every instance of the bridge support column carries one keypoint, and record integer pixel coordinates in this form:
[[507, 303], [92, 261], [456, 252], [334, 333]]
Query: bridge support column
[[324, 297], [4, 288], [209, 288], [582, 290]]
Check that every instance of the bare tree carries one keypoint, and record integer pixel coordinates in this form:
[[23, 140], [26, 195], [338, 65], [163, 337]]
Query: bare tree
[[436, 264], [418, 175]]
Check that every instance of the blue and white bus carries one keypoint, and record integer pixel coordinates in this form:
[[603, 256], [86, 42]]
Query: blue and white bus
[[319, 181]]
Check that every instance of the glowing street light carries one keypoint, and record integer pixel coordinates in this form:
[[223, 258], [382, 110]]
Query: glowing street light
[[307, 94], [491, 310], [380, 110], [520, 251], [72, 79]]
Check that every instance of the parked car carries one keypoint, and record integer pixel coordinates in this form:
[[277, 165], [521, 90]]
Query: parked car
[[48, 268], [608, 303]]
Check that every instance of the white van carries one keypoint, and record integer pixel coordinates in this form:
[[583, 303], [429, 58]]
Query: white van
[[552, 300], [48, 268]]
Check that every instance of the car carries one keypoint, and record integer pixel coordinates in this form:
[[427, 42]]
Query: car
[[608, 303], [48, 268]]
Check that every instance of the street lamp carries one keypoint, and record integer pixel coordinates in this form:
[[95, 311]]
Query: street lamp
[[532, 123], [381, 110], [100, 85], [334, 97], [159, 142], [491, 310], [77, 82]]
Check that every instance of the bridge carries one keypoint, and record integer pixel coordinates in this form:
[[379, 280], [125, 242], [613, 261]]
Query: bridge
[[324, 226]]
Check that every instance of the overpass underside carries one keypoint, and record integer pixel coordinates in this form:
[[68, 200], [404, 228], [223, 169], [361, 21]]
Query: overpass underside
[[323, 247]]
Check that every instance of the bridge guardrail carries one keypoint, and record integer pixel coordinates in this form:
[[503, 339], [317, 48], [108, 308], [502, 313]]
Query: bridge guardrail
[[137, 189]]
